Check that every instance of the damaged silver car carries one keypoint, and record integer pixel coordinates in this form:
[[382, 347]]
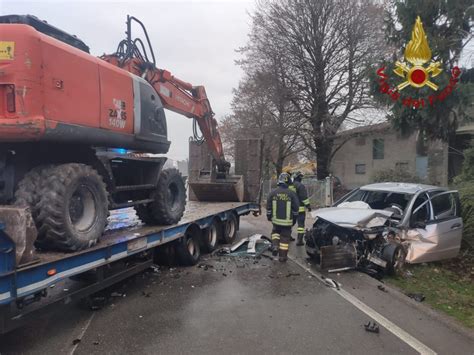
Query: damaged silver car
[[380, 226]]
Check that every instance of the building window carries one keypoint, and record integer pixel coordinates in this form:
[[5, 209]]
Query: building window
[[360, 169], [360, 141], [401, 166], [378, 149]]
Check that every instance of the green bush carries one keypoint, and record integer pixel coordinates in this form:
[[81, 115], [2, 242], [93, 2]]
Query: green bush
[[464, 182], [467, 172], [466, 195], [395, 175]]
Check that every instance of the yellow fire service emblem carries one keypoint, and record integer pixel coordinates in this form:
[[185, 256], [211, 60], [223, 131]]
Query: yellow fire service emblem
[[417, 52]]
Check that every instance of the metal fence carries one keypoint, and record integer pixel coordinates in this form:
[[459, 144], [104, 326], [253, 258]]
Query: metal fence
[[319, 191]]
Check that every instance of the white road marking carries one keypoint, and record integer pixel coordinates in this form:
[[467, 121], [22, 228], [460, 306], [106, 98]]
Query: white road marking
[[380, 319], [81, 334]]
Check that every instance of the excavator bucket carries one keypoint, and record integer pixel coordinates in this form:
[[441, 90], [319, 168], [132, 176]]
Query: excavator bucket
[[230, 189], [205, 185], [20, 228]]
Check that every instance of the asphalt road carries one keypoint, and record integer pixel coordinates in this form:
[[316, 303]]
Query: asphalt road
[[244, 306]]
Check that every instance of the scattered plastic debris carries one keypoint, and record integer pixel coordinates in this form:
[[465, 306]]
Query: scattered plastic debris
[[418, 297], [372, 327], [331, 283], [205, 266], [253, 246]]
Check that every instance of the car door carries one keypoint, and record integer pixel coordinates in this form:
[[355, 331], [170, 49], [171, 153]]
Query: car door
[[446, 217], [436, 227]]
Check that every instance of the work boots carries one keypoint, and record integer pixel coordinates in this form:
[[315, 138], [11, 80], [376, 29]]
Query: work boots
[[300, 242], [274, 250], [282, 255], [275, 245]]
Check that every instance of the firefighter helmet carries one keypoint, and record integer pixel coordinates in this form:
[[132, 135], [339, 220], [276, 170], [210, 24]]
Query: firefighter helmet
[[298, 176], [284, 178]]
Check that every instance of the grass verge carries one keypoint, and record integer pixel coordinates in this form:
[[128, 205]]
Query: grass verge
[[447, 286]]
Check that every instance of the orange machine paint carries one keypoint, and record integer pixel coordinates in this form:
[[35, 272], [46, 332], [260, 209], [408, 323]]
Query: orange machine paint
[[55, 82]]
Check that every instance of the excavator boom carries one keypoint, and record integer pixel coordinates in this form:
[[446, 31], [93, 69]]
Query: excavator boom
[[176, 95], [191, 101]]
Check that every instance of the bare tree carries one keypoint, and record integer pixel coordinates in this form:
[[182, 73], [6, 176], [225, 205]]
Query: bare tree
[[325, 49], [261, 109]]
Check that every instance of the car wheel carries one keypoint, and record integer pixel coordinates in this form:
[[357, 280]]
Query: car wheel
[[394, 255]]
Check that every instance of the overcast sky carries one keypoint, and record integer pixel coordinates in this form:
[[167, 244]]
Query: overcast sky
[[195, 40]]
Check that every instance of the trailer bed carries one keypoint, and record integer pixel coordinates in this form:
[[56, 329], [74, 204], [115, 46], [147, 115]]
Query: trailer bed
[[124, 225], [125, 237]]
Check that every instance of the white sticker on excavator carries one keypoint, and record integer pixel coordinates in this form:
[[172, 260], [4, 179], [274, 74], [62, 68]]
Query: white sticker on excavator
[[118, 114]]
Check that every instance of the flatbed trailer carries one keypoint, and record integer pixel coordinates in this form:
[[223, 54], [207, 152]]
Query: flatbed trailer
[[28, 290]]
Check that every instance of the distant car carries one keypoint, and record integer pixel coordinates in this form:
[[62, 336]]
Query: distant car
[[424, 219]]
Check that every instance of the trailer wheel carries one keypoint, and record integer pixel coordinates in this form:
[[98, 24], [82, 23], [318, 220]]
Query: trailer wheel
[[188, 249], [211, 236], [169, 200], [73, 208], [231, 227], [394, 255]]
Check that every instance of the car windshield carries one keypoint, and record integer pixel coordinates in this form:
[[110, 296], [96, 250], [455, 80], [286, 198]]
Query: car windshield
[[379, 199]]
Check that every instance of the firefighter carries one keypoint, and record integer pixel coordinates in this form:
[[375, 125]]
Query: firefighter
[[282, 211], [304, 204]]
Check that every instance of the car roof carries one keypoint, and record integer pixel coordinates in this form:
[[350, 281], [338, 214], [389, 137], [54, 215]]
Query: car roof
[[400, 187]]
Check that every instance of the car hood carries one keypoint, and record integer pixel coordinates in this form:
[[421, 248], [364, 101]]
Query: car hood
[[353, 217]]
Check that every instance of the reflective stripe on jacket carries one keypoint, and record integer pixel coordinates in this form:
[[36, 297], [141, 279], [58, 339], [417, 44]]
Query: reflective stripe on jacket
[[302, 194], [282, 206]]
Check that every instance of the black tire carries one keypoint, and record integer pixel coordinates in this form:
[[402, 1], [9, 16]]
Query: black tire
[[165, 255], [231, 226], [211, 236], [188, 248], [169, 200], [394, 255], [144, 213], [73, 208], [27, 192]]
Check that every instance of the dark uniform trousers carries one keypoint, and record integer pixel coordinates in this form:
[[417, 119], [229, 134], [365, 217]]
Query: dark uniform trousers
[[281, 237], [282, 211], [300, 220]]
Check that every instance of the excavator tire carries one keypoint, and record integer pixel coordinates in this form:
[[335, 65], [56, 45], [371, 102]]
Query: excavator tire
[[27, 192], [169, 200], [72, 209]]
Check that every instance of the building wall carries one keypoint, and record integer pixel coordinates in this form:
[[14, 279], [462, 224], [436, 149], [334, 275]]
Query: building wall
[[399, 152], [438, 171]]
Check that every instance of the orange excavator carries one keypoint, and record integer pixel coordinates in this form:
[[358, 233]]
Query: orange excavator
[[79, 134]]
